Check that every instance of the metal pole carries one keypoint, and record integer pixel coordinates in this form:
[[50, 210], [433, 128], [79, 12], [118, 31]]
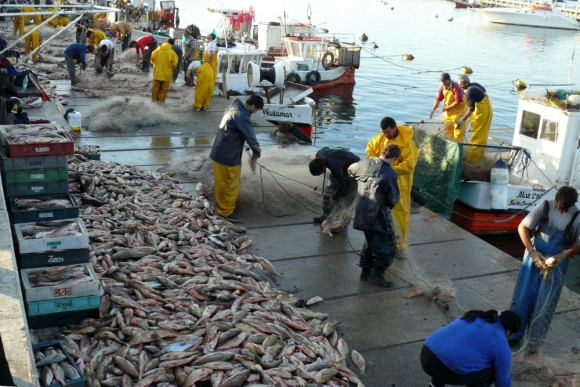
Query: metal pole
[[51, 38], [28, 33], [47, 13]]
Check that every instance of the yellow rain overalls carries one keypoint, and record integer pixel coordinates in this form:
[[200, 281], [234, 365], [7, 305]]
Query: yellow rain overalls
[[203, 86], [452, 115], [18, 25], [164, 60], [33, 40], [37, 19], [213, 64], [480, 123], [404, 166]]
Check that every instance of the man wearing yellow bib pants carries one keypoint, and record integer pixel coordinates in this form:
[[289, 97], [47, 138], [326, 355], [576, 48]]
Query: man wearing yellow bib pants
[[37, 19], [34, 40], [18, 25], [210, 56], [234, 130], [404, 165], [480, 113], [203, 87], [453, 98]]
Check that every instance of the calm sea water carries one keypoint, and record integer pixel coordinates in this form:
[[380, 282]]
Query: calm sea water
[[405, 90]]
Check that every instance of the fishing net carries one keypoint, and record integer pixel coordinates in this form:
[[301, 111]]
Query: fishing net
[[124, 114]]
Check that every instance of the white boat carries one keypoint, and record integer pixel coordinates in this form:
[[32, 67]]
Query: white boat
[[543, 16]]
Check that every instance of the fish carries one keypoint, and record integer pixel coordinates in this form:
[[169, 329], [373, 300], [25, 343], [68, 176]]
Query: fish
[[358, 360], [314, 300]]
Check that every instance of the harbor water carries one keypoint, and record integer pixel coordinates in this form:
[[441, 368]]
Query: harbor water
[[386, 85]]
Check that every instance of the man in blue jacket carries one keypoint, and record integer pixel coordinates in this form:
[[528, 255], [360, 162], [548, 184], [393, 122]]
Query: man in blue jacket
[[235, 129], [378, 193], [75, 52]]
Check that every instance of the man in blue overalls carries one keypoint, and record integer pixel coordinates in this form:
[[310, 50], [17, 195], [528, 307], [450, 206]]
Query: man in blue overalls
[[541, 277]]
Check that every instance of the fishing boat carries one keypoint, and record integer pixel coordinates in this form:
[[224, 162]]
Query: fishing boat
[[463, 4], [542, 16], [541, 158]]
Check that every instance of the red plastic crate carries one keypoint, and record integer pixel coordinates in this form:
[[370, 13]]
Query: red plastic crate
[[28, 150]]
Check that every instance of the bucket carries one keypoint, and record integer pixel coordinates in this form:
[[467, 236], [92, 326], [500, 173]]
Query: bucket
[[74, 120]]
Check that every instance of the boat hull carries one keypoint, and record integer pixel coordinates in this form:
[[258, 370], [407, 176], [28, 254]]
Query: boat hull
[[459, 4], [525, 17], [489, 225]]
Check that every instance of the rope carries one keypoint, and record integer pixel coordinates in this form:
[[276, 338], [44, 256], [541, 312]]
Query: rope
[[409, 68]]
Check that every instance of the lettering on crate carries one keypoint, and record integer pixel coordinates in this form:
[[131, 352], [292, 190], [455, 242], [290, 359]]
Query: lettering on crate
[[37, 176], [37, 189], [42, 149], [32, 163], [62, 292], [46, 215], [53, 245], [64, 305], [53, 259]]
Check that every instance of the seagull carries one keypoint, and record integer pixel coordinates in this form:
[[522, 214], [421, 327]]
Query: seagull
[[364, 37], [375, 46], [450, 19], [392, 8], [436, 16]]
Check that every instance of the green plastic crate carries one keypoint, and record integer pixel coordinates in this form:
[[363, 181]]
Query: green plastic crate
[[62, 305], [35, 176]]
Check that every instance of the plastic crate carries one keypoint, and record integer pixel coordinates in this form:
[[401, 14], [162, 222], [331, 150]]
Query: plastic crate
[[35, 175], [90, 156], [26, 246], [7, 130], [58, 345], [60, 319], [53, 258], [62, 305], [44, 293], [51, 149], [33, 189], [48, 214], [25, 163]]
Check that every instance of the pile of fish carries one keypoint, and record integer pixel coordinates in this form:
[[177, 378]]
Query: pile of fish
[[44, 138], [184, 306], [32, 204], [40, 129], [61, 275], [51, 229], [87, 150], [52, 367]]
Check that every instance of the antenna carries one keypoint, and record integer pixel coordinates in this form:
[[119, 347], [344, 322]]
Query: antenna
[[571, 63]]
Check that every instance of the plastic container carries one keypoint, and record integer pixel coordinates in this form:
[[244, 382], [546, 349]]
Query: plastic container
[[7, 130], [52, 258], [35, 175], [58, 345], [51, 149], [27, 246], [62, 305], [88, 155], [60, 319], [32, 189], [74, 120], [26, 163], [23, 216], [44, 293]]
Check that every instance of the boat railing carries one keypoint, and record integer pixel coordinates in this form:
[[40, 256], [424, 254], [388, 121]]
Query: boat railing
[[337, 38]]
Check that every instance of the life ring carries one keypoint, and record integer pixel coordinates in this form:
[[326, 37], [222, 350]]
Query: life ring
[[327, 60], [293, 77], [313, 78]]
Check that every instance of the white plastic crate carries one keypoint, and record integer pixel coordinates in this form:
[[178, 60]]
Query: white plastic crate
[[27, 246], [60, 291]]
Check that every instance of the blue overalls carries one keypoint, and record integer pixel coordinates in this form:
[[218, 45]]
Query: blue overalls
[[536, 296]]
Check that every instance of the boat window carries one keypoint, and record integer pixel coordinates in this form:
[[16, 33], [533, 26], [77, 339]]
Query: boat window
[[530, 124], [549, 130], [296, 49], [289, 49], [312, 51]]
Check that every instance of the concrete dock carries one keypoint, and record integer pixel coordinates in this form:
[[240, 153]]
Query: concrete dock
[[385, 326]]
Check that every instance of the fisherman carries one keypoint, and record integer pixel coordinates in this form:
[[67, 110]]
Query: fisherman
[[179, 51], [164, 61], [203, 88], [481, 113], [473, 350], [18, 25], [82, 26], [123, 31], [211, 56], [191, 34], [37, 19], [75, 52], [226, 152], [144, 46], [94, 38], [550, 235], [378, 194], [341, 186], [33, 40], [404, 166], [453, 98], [105, 56], [57, 21]]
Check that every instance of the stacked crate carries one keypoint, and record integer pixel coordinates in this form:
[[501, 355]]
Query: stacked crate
[[38, 170]]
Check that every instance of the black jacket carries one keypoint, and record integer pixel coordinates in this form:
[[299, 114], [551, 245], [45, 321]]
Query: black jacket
[[338, 161]]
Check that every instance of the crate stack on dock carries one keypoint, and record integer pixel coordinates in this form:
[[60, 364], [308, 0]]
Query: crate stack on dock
[[52, 243]]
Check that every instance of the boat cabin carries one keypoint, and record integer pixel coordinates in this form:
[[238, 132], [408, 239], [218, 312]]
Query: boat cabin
[[235, 61], [305, 53]]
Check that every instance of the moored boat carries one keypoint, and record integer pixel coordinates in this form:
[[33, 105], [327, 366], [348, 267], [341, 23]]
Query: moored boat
[[542, 16], [464, 4]]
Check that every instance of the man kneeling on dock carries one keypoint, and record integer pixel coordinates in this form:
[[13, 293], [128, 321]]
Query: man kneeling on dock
[[75, 52], [378, 193]]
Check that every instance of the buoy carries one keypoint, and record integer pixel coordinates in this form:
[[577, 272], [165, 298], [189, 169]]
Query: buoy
[[467, 70], [521, 85], [409, 57], [498, 192]]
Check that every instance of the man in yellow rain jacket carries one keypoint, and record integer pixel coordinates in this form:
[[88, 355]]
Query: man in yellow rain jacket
[[34, 40], [203, 87], [480, 113], [57, 21], [123, 31], [453, 98], [94, 37], [211, 56], [164, 60], [18, 25], [37, 19], [404, 166]]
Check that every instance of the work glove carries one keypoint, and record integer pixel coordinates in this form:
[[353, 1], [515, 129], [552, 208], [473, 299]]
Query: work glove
[[538, 259], [256, 155], [556, 260]]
